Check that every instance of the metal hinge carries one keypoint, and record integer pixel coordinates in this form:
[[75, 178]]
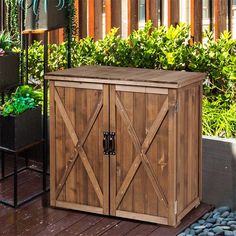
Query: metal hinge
[[176, 207], [109, 143]]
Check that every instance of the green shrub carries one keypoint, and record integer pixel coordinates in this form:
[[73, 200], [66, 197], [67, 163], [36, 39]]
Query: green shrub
[[24, 98], [158, 48], [219, 120]]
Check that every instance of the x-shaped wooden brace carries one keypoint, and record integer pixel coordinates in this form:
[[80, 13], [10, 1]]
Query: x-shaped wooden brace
[[142, 150], [79, 151]]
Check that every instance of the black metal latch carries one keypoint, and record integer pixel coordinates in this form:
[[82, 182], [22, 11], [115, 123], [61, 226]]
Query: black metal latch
[[109, 143]]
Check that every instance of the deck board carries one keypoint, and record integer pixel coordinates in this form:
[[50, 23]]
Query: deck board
[[38, 218]]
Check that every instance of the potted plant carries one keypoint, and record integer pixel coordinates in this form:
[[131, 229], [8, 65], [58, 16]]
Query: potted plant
[[9, 62], [44, 14], [20, 118]]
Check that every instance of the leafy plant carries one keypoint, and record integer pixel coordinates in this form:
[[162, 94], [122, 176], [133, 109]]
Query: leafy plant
[[35, 4], [5, 41], [12, 20], [219, 120], [24, 98]]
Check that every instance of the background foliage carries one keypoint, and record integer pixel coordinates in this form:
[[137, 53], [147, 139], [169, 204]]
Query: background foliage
[[161, 48]]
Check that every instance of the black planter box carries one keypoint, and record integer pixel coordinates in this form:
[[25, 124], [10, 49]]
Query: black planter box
[[9, 70], [54, 18], [19, 131]]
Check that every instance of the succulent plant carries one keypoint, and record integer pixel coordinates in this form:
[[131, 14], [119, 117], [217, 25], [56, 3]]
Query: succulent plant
[[35, 4]]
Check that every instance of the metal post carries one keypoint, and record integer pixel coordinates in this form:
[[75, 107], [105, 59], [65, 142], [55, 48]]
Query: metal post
[[26, 58], [69, 33], [22, 40], [161, 12], [2, 15], [45, 113], [15, 179]]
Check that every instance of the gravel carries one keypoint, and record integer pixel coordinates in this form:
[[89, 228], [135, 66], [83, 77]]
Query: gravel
[[221, 221]]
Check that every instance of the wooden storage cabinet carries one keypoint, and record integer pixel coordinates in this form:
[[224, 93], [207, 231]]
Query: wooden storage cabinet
[[154, 173]]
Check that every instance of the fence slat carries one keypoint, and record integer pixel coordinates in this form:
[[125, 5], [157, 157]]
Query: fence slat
[[196, 20], [152, 11], [220, 17], [133, 18], [91, 19], [82, 18], [98, 32], [116, 14], [173, 12]]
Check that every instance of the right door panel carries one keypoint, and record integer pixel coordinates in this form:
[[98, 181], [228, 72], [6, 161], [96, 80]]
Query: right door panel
[[139, 170]]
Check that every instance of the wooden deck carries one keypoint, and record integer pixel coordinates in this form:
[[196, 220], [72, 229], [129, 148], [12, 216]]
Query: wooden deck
[[37, 218]]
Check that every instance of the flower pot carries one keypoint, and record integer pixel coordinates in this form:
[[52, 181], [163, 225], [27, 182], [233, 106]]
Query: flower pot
[[53, 18], [19, 131], [219, 171], [9, 70]]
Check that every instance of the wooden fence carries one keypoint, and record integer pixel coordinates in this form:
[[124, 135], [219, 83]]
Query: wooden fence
[[96, 17]]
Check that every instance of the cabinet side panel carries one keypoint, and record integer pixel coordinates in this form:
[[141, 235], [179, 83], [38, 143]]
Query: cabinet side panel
[[52, 146], [188, 142]]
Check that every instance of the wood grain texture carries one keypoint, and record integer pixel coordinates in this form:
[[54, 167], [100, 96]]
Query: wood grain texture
[[155, 174], [196, 20], [173, 12], [132, 15], [221, 11], [152, 11], [188, 143]]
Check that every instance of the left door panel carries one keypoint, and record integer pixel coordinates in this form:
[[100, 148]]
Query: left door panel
[[79, 114]]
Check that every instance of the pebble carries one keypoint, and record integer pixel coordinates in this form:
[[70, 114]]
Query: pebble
[[221, 221], [225, 214], [228, 233]]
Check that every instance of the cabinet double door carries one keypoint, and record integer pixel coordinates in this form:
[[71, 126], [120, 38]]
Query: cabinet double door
[[126, 175]]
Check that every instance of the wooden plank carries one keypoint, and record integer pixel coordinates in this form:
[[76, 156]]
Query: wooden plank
[[172, 149], [173, 12], [79, 207], [98, 31], [83, 19], [52, 145], [132, 15], [192, 217], [196, 20], [82, 226], [152, 11], [122, 228], [71, 184], [108, 15], [143, 217], [78, 85], [141, 150], [101, 227], [91, 18], [193, 204], [143, 229], [79, 151], [141, 90], [221, 10], [113, 158], [200, 141], [116, 16], [106, 162]]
